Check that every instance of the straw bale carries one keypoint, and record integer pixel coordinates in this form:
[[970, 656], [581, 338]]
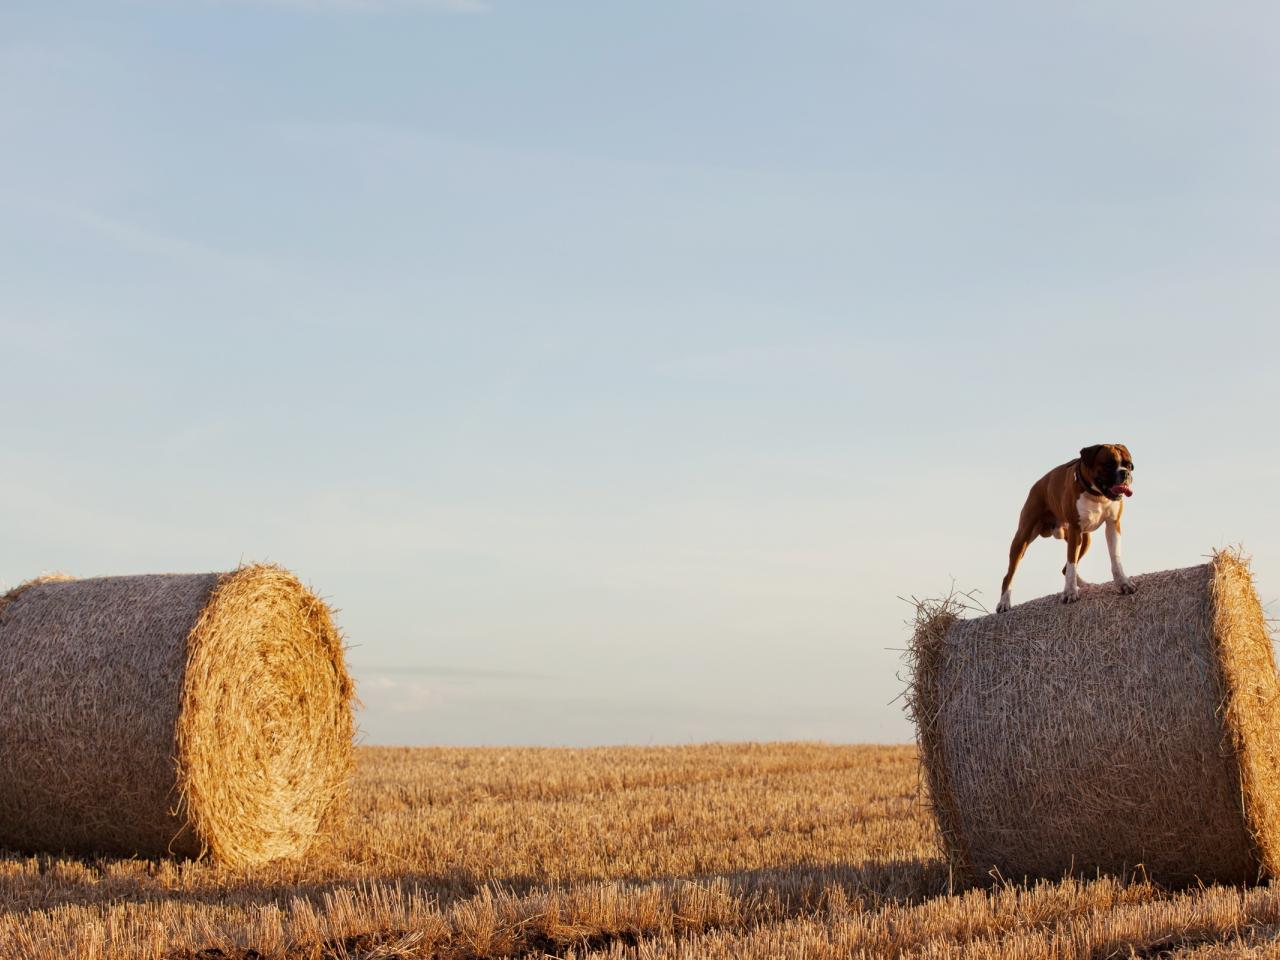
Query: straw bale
[[1121, 733], [172, 714]]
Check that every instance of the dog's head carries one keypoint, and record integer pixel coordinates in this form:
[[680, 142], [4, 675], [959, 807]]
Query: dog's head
[[1109, 467]]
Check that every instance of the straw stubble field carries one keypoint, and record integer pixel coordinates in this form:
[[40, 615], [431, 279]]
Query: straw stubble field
[[717, 851]]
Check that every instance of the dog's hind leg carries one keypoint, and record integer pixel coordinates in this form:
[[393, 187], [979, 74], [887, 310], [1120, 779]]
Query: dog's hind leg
[[1084, 548], [1021, 540], [1071, 588]]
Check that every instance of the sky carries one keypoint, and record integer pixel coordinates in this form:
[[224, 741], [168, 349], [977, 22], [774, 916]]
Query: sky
[[615, 370]]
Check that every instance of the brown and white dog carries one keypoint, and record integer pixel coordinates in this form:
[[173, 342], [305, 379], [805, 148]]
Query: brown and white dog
[[1070, 502]]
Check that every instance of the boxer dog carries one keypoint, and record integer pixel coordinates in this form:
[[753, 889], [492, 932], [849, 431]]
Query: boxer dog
[[1070, 502]]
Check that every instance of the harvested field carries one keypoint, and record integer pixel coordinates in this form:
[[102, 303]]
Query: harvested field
[[719, 851]]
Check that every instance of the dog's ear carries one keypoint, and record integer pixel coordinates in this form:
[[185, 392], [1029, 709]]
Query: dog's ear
[[1124, 452], [1088, 454]]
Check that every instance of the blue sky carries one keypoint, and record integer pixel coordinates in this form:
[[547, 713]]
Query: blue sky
[[615, 368]]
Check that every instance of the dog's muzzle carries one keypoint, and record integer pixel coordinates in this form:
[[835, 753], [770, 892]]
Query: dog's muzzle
[[1121, 484]]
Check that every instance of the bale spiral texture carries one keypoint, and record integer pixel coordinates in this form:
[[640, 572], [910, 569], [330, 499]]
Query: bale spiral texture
[[171, 714], [1120, 733]]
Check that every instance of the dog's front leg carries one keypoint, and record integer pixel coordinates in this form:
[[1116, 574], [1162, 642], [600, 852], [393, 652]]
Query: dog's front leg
[[1117, 568], [1071, 589]]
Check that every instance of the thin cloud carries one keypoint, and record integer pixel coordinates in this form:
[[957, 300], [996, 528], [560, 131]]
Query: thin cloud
[[459, 673], [139, 239], [374, 6], [399, 696]]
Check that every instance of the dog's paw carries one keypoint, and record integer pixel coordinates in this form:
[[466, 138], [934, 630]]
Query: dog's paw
[[1005, 604], [1126, 586], [1071, 596]]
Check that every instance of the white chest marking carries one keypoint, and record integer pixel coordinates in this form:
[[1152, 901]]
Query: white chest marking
[[1095, 511]]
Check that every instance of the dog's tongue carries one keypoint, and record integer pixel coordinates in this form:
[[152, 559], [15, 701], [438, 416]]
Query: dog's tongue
[[1122, 488]]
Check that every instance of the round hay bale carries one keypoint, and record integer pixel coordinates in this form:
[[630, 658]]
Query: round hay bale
[[171, 715], [1121, 733]]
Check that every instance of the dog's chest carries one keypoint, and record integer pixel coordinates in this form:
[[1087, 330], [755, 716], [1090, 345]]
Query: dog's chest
[[1095, 511]]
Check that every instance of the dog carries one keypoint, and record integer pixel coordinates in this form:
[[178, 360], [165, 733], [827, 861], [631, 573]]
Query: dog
[[1070, 502]]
